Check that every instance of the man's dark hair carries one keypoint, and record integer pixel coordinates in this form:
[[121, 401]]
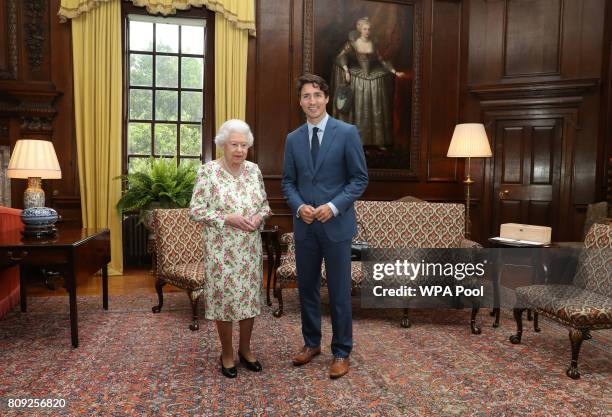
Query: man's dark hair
[[315, 80]]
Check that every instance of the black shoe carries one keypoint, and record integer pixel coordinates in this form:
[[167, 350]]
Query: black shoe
[[251, 366], [228, 372]]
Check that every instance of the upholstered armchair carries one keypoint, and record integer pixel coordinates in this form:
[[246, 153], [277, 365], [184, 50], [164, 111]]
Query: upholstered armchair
[[180, 255], [584, 305]]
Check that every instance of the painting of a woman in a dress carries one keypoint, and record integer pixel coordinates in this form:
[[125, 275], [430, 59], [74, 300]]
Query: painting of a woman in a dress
[[368, 104]]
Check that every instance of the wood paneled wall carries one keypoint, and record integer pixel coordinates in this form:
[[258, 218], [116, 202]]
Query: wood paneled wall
[[538, 67], [512, 63]]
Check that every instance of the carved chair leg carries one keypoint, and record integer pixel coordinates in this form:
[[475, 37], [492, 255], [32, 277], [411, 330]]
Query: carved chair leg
[[406, 319], [278, 294], [159, 284], [586, 334], [529, 317], [536, 327], [576, 337], [195, 325], [475, 307], [515, 339]]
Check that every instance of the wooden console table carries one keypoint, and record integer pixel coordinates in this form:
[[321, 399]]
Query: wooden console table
[[76, 253]]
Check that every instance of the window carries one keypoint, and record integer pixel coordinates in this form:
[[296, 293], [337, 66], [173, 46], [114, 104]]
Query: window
[[165, 89]]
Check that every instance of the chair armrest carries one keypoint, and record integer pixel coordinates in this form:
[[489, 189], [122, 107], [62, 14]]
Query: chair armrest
[[467, 244], [287, 239]]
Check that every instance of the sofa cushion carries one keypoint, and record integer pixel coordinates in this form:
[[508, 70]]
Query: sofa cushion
[[287, 273], [569, 304], [186, 276]]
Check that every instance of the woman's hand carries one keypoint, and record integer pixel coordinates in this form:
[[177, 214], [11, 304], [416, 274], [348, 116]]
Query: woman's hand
[[239, 222], [256, 220], [347, 76], [399, 74]]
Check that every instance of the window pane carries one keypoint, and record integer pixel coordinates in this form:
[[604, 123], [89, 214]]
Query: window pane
[[191, 106], [192, 40], [191, 140], [167, 38], [194, 163], [141, 36], [191, 72], [166, 71], [139, 138], [137, 164], [166, 105], [165, 139], [141, 102], [141, 69]]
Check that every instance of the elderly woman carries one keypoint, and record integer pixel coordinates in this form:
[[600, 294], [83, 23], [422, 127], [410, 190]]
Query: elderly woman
[[229, 197]]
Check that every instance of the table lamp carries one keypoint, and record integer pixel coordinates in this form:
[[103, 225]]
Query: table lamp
[[35, 160], [469, 141]]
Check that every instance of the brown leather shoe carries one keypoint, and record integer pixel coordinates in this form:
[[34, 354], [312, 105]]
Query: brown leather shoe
[[305, 355], [339, 367]]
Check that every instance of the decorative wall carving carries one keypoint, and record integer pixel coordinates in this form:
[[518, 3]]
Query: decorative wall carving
[[5, 181], [11, 72], [35, 109], [35, 31]]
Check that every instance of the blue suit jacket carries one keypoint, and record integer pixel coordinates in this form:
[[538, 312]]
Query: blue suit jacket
[[340, 176]]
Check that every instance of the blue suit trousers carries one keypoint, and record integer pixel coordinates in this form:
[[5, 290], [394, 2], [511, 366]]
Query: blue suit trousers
[[310, 252]]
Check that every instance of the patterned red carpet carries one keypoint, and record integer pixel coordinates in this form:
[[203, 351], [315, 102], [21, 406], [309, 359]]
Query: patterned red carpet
[[133, 362]]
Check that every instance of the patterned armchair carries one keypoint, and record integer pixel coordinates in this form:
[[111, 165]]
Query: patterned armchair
[[391, 224], [584, 305], [180, 253]]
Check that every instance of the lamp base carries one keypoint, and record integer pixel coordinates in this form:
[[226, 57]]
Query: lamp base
[[37, 232], [34, 196], [39, 222]]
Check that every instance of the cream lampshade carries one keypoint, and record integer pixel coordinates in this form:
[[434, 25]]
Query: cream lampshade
[[34, 160], [469, 141]]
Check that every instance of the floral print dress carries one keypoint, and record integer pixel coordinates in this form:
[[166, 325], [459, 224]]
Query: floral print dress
[[233, 260]]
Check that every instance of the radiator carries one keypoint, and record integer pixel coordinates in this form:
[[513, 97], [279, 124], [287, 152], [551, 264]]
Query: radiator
[[135, 242]]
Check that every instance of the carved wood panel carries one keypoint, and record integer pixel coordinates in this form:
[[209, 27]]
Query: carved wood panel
[[8, 39], [532, 37]]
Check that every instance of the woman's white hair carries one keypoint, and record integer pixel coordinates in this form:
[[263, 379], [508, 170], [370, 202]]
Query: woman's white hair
[[233, 125]]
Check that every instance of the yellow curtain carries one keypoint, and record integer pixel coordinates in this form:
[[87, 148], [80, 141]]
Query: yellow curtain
[[231, 47], [96, 52], [241, 13]]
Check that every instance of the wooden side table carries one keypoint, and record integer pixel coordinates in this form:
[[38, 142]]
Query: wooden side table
[[540, 264], [74, 251]]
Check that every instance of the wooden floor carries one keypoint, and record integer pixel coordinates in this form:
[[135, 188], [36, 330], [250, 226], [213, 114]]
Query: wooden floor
[[134, 279]]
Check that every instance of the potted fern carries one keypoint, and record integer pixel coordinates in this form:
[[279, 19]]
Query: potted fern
[[160, 184]]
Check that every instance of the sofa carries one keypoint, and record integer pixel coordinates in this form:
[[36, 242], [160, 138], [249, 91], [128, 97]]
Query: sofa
[[10, 220], [390, 224]]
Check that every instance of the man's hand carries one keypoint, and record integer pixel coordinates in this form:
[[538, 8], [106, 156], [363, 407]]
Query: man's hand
[[307, 213], [239, 222], [323, 213], [256, 220]]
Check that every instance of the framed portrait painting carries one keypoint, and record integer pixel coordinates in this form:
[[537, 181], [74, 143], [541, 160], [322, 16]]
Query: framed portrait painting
[[369, 51]]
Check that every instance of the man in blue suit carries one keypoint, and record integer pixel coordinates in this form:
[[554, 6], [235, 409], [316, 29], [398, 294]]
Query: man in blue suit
[[324, 173]]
